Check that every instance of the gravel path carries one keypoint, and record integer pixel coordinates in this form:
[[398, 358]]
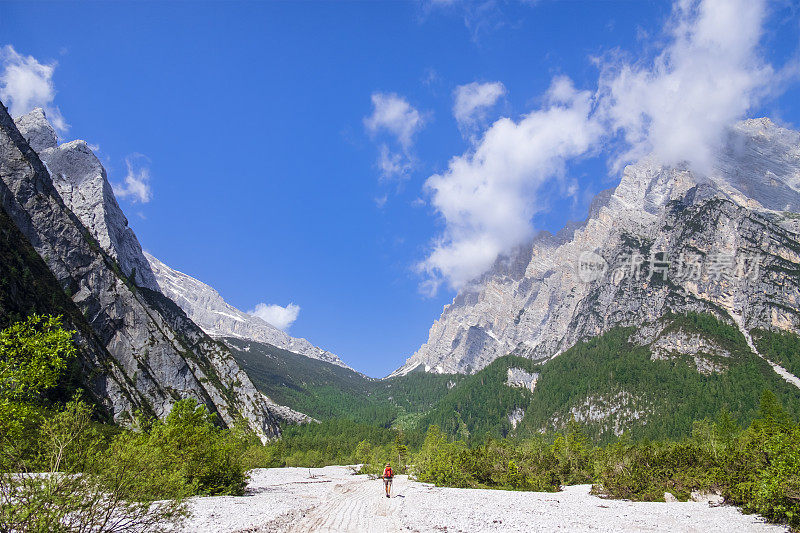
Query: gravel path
[[287, 499]]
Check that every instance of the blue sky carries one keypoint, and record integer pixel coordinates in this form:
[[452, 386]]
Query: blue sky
[[251, 123]]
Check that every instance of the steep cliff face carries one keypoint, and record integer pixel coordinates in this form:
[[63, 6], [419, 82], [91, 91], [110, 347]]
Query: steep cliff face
[[152, 354], [82, 183], [27, 286], [208, 310], [666, 240]]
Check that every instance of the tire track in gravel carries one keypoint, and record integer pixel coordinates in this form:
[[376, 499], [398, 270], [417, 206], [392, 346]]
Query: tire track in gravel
[[355, 506]]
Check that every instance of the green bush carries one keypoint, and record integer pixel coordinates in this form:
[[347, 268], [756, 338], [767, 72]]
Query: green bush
[[762, 470], [62, 471], [33, 354], [646, 470], [776, 491], [572, 454], [85, 487], [443, 462], [532, 464], [209, 458]]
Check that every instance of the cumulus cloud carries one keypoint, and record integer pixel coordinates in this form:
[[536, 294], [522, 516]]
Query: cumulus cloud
[[136, 185], [472, 100], [488, 195], [679, 106], [280, 317], [25, 83], [393, 116]]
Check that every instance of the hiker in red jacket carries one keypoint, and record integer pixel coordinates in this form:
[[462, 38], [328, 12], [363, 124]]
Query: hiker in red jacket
[[387, 476]]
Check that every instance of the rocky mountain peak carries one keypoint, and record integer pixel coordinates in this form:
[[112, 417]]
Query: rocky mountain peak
[[37, 130], [759, 166], [754, 187], [83, 184], [206, 307], [138, 349]]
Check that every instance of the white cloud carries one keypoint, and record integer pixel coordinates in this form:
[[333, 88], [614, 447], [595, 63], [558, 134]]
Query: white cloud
[[393, 163], [136, 185], [488, 195], [709, 75], [473, 99], [280, 317], [393, 115], [25, 83]]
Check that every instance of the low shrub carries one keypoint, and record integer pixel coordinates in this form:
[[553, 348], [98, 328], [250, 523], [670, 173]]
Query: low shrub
[[757, 468]]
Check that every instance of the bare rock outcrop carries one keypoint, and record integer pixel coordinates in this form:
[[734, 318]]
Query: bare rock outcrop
[[665, 240], [218, 318], [157, 355], [82, 183]]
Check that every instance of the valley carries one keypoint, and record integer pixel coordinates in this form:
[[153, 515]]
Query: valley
[[685, 371], [579, 309], [611, 385], [708, 367]]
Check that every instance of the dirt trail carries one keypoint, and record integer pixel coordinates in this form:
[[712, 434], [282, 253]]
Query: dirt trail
[[357, 505]]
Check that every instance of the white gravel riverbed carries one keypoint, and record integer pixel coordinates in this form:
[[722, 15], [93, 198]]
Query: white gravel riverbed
[[333, 499]]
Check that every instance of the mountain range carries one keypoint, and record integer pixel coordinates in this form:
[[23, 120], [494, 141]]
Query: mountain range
[[676, 298], [666, 240], [208, 310]]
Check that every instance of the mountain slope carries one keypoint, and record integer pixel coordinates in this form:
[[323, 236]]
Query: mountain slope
[[543, 298], [208, 310], [157, 354], [325, 391], [27, 286], [82, 183], [613, 384]]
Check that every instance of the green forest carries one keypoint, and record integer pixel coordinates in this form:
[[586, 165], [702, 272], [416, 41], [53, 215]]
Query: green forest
[[654, 399], [325, 391], [779, 347]]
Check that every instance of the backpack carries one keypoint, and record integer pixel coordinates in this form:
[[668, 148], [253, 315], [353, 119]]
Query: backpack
[[387, 472]]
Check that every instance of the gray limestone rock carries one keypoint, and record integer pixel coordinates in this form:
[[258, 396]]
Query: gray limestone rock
[[82, 183], [37, 130], [157, 354], [208, 310], [544, 297]]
